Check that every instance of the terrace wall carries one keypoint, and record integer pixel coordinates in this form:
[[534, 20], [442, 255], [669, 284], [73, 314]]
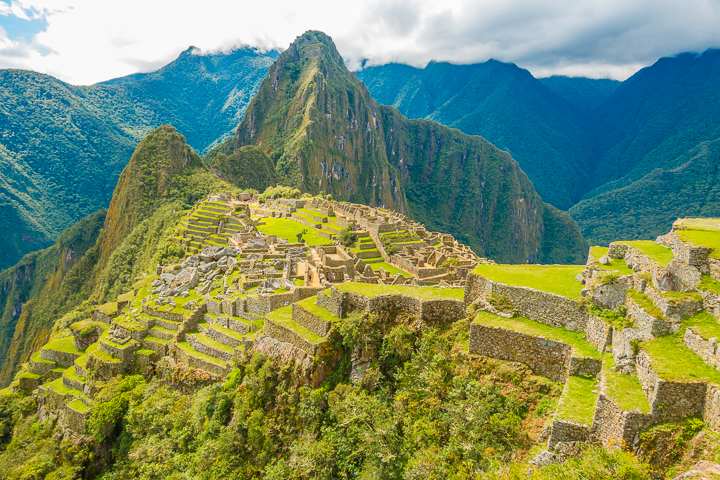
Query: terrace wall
[[544, 357], [598, 333], [705, 349]]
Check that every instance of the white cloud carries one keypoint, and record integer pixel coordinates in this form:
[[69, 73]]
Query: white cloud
[[94, 40]]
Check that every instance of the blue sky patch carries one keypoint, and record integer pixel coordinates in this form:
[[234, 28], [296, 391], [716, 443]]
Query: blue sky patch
[[19, 29]]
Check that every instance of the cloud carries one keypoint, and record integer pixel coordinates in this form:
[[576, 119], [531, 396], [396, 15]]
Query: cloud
[[94, 40]]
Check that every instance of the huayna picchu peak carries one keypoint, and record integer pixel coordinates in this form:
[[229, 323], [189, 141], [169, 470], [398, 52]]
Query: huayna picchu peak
[[325, 133]]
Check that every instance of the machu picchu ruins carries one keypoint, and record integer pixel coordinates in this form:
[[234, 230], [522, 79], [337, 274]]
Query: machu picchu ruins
[[632, 335]]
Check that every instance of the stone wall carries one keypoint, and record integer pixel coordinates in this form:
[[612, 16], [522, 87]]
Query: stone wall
[[711, 303], [476, 287], [99, 316], [647, 323], [223, 338], [310, 321], [173, 317], [614, 427], [675, 310], [543, 307], [544, 357], [707, 349], [283, 334], [63, 359], [328, 303], [670, 401], [617, 251], [598, 333], [567, 431], [208, 350], [711, 414], [582, 366], [196, 362], [74, 419]]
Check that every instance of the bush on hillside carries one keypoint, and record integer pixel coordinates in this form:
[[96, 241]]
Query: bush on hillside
[[279, 191]]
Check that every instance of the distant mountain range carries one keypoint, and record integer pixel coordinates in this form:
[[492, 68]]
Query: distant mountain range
[[62, 147], [613, 154], [625, 158]]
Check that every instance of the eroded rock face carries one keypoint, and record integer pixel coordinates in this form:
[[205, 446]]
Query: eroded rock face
[[702, 470], [361, 360]]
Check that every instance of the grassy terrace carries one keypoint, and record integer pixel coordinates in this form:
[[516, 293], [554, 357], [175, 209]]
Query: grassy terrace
[[658, 253], [79, 406], [625, 390], [672, 360], [709, 284], [425, 293], [128, 323], [283, 317], [579, 400], [213, 343], [105, 357], [36, 358], [391, 269], [62, 345], [523, 325], [559, 279], [704, 324], [108, 308], [309, 305], [615, 264], [703, 238], [644, 301], [288, 229], [187, 348]]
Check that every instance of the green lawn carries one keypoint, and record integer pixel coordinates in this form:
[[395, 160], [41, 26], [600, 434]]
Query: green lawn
[[288, 229], [579, 400], [108, 308], [703, 238], [658, 253], [283, 316], [559, 279], [62, 345], [78, 406], [187, 348], [644, 301], [625, 390], [615, 264], [709, 284], [704, 325], [391, 269], [530, 327], [309, 305], [425, 293], [672, 360]]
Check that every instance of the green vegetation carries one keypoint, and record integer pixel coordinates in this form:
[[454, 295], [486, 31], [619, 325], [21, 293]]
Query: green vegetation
[[614, 264], [559, 279], [309, 305], [658, 253], [704, 324], [289, 229], [672, 360], [391, 269], [625, 390], [279, 191], [347, 237], [578, 402], [709, 284], [523, 325], [62, 345], [617, 318], [425, 293], [644, 302], [703, 238]]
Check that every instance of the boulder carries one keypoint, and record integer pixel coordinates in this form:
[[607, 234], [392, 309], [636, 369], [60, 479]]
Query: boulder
[[604, 260], [545, 458], [579, 277]]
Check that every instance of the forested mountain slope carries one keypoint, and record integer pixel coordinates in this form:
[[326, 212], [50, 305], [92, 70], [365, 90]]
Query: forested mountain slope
[[62, 147]]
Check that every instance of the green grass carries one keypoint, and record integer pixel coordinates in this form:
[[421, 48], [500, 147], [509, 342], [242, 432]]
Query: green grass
[[704, 324], [58, 386], [213, 343], [309, 305], [105, 357], [615, 264], [709, 284], [523, 325], [29, 375], [62, 345], [703, 238], [283, 316], [658, 253], [128, 323], [672, 360], [644, 301], [79, 406], [125, 297], [559, 279], [187, 348], [625, 390], [579, 400], [679, 297], [391, 269], [108, 308], [288, 229], [228, 332], [145, 351], [36, 358], [425, 293]]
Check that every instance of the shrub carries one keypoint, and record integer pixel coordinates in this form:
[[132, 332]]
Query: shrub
[[610, 278], [347, 237], [390, 248], [279, 191]]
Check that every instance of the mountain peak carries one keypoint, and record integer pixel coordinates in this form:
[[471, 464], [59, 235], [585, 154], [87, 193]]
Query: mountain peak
[[315, 44]]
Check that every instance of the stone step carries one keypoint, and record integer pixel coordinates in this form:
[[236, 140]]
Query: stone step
[[280, 326], [224, 335], [161, 332], [155, 344], [187, 355], [72, 381], [204, 344], [39, 365]]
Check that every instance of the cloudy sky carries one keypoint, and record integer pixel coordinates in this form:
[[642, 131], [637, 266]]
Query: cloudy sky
[[87, 41]]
